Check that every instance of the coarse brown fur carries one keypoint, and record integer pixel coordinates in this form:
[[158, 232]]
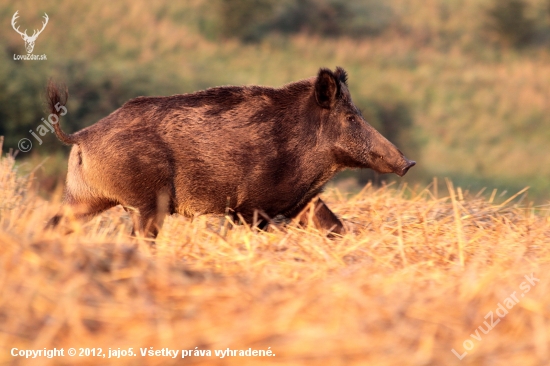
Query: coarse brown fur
[[246, 148]]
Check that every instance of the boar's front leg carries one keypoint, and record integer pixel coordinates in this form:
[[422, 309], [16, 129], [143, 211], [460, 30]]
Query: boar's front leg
[[322, 217]]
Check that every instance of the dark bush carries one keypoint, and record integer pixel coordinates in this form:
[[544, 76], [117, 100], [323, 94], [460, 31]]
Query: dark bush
[[251, 20], [508, 21], [247, 20]]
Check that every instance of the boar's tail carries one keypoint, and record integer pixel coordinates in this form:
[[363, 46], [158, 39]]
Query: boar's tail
[[57, 99]]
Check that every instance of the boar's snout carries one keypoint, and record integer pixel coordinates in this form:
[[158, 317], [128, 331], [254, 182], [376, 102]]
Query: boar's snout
[[409, 164], [385, 157]]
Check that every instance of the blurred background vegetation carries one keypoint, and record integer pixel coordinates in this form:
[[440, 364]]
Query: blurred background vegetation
[[461, 86]]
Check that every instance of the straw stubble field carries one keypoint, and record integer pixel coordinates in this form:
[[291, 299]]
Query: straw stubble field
[[416, 276]]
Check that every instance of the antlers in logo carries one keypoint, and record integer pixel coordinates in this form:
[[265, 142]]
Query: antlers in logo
[[29, 41]]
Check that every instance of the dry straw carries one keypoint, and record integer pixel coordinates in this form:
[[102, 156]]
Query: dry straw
[[414, 277]]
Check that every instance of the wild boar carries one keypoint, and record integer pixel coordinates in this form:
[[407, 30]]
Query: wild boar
[[230, 149]]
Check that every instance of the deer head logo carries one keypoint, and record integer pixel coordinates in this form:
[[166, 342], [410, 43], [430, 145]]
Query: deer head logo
[[29, 41]]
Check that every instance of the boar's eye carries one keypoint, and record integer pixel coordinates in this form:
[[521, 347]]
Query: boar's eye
[[351, 119], [375, 155]]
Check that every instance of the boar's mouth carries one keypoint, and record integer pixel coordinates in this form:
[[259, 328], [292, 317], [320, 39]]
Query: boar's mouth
[[401, 172]]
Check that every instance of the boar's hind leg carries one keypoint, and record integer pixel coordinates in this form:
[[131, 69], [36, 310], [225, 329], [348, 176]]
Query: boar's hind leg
[[148, 215], [147, 222], [322, 217], [80, 211]]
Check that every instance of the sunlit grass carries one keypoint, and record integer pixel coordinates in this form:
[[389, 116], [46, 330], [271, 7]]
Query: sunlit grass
[[416, 275]]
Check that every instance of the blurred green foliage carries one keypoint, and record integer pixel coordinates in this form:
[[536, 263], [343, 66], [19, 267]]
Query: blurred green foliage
[[93, 95], [431, 78]]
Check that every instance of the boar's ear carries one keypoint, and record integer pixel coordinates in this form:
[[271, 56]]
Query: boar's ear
[[327, 87], [341, 75]]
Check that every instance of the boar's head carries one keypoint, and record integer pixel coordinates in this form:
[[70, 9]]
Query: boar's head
[[354, 143]]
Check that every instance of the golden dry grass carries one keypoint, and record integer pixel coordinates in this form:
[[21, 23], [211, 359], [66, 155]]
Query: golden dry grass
[[415, 276]]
